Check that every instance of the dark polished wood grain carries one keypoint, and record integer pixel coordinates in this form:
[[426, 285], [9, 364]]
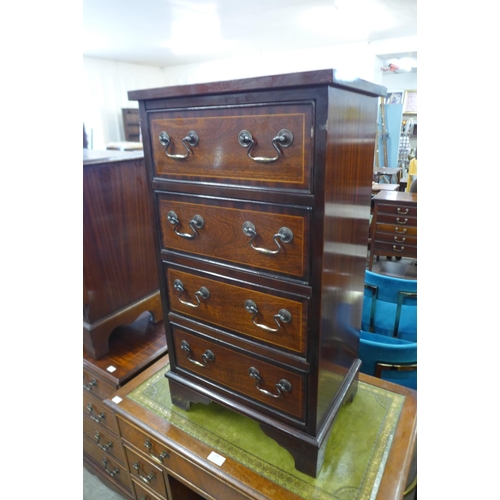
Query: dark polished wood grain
[[119, 265], [319, 187]]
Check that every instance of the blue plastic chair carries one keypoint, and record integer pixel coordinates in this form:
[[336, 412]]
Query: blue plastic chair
[[390, 306], [388, 358]]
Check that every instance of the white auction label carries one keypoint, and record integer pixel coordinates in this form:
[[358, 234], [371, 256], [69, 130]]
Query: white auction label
[[111, 369], [216, 458], [117, 399]]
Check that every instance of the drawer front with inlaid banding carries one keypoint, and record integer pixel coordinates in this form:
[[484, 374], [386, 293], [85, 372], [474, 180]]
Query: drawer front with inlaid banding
[[260, 380], [104, 440], [398, 209], [268, 318], [397, 230], [256, 145], [269, 237]]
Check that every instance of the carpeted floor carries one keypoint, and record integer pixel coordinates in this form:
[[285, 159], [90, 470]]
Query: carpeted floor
[[93, 489]]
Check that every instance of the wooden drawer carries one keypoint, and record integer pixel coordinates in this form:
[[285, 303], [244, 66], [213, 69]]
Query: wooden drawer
[[398, 209], [110, 465], [104, 440], [226, 233], [395, 249], [398, 230], [232, 369], [142, 493], [220, 158], [96, 385], [146, 472], [226, 306], [398, 220], [190, 473], [99, 414], [396, 239]]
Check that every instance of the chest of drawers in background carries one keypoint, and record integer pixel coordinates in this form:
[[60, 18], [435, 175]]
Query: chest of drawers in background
[[133, 348], [119, 267], [394, 225], [262, 196]]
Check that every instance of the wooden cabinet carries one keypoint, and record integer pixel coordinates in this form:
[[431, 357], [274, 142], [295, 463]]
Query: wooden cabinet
[[120, 278], [262, 196], [133, 349], [131, 127], [394, 225]]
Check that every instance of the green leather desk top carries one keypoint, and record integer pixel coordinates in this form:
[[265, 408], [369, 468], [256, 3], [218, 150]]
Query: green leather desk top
[[355, 456]]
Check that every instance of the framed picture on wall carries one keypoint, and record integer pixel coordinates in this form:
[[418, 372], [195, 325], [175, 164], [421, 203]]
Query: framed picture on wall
[[395, 97], [410, 102]]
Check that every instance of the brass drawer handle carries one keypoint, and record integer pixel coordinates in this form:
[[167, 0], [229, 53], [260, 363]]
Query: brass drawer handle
[[91, 384], [402, 212], [397, 240], [206, 356], [191, 139], [90, 408], [284, 138], [112, 473], [147, 479], [202, 292], [284, 235], [399, 221], [196, 222], [157, 458], [106, 447], [400, 230], [282, 386], [398, 249], [283, 316]]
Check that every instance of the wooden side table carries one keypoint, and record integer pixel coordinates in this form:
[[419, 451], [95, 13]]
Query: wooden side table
[[168, 462]]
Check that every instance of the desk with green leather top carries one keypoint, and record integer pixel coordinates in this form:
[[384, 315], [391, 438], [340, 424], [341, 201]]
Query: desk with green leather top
[[368, 455]]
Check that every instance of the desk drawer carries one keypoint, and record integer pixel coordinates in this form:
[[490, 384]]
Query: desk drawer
[[99, 414], [398, 209], [233, 308], [244, 374], [396, 230], [108, 464], [219, 155], [104, 440], [225, 231], [395, 249], [96, 385], [146, 472], [398, 220], [396, 239]]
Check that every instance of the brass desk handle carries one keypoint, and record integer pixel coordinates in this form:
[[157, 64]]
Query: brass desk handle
[[402, 240], [147, 479], [112, 473], [398, 249], [206, 356], [196, 222], [284, 235], [283, 316], [400, 230], [282, 386], [402, 212], [106, 447], [90, 408], [191, 139], [399, 221], [91, 384], [284, 138], [157, 458], [202, 292]]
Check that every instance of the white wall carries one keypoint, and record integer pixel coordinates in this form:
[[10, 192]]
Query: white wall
[[106, 83]]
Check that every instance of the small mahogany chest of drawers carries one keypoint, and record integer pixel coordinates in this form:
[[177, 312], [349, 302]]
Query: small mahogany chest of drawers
[[262, 193], [394, 225]]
